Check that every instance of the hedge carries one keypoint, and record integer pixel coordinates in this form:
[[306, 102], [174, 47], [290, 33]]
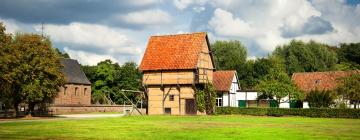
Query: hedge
[[308, 112]]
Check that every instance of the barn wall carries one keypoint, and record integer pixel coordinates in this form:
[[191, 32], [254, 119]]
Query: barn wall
[[168, 77], [205, 65], [156, 99], [68, 96]]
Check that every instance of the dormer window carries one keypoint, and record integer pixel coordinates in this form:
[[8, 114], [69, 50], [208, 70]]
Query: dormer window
[[317, 81]]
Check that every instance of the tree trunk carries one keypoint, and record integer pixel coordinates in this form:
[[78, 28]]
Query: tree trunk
[[31, 109], [278, 101], [16, 109]]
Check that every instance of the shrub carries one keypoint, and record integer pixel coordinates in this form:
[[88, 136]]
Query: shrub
[[308, 112], [319, 99]]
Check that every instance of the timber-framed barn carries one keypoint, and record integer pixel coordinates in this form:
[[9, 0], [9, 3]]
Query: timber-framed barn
[[174, 67]]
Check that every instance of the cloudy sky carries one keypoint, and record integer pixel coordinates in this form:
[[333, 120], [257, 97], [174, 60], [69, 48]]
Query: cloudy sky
[[94, 30]]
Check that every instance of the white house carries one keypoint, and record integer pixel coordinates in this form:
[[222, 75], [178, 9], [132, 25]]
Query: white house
[[227, 86], [229, 94]]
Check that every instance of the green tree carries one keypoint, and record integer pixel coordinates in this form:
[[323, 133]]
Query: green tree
[[349, 56], [61, 54], [278, 84], [320, 99], [30, 70], [306, 57], [110, 78], [229, 55], [206, 99], [349, 88]]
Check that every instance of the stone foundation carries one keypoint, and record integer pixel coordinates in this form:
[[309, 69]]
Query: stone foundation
[[93, 108]]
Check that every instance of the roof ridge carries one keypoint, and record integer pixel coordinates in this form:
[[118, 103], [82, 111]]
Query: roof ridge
[[191, 33], [323, 72]]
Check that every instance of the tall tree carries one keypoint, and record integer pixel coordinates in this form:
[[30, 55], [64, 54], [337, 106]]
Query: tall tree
[[110, 78], [30, 69], [231, 55], [349, 88], [349, 56], [278, 84], [306, 57]]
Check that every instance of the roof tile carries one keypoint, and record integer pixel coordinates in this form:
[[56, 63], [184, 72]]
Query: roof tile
[[170, 52], [222, 80]]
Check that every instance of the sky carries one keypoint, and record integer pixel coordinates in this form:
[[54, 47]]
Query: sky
[[94, 30]]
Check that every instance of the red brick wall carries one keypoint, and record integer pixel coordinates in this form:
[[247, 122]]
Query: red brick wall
[[74, 94]]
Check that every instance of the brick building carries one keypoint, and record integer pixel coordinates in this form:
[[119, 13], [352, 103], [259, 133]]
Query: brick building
[[77, 90]]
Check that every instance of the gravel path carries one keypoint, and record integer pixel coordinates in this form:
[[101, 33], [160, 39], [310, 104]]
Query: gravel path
[[90, 115]]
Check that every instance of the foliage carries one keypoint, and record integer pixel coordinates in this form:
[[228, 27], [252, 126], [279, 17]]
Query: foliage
[[61, 54], [320, 99], [349, 88], [278, 84], [311, 112], [206, 99], [306, 56], [29, 70], [229, 55], [200, 100], [110, 78], [350, 54]]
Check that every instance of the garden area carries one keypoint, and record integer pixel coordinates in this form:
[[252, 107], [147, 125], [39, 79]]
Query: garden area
[[184, 127]]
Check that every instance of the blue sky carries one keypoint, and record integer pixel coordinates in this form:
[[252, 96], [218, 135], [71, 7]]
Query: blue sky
[[94, 30]]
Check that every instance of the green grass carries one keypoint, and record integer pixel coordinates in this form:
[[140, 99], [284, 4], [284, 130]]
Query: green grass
[[185, 127]]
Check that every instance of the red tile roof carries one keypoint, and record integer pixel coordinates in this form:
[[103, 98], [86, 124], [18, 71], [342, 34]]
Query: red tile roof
[[171, 52], [319, 80], [222, 80]]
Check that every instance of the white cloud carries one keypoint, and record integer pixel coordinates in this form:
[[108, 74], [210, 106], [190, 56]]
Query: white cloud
[[144, 2], [88, 58], [262, 23], [147, 17], [225, 24], [183, 4], [109, 40]]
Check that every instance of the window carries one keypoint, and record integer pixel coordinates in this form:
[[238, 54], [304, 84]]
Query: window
[[85, 91], [65, 90], [219, 100], [171, 97], [76, 90], [317, 81], [167, 110]]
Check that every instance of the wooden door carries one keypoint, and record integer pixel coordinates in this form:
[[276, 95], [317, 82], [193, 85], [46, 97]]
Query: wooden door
[[190, 106]]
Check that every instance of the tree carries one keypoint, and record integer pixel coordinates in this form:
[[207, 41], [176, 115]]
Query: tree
[[306, 56], [110, 78], [349, 55], [231, 55], [320, 99], [206, 99], [30, 70], [278, 84], [349, 88], [61, 54]]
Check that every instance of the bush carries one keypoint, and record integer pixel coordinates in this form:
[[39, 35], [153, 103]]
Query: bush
[[308, 112], [319, 99]]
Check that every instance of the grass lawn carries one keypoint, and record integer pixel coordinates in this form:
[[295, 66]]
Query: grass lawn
[[184, 127]]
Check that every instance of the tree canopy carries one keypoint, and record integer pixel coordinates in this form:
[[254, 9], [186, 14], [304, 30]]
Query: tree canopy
[[349, 88], [309, 56], [29, 69], [110, 78]]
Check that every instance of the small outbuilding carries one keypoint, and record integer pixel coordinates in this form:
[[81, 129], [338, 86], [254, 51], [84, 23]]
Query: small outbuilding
[[77, 88]]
